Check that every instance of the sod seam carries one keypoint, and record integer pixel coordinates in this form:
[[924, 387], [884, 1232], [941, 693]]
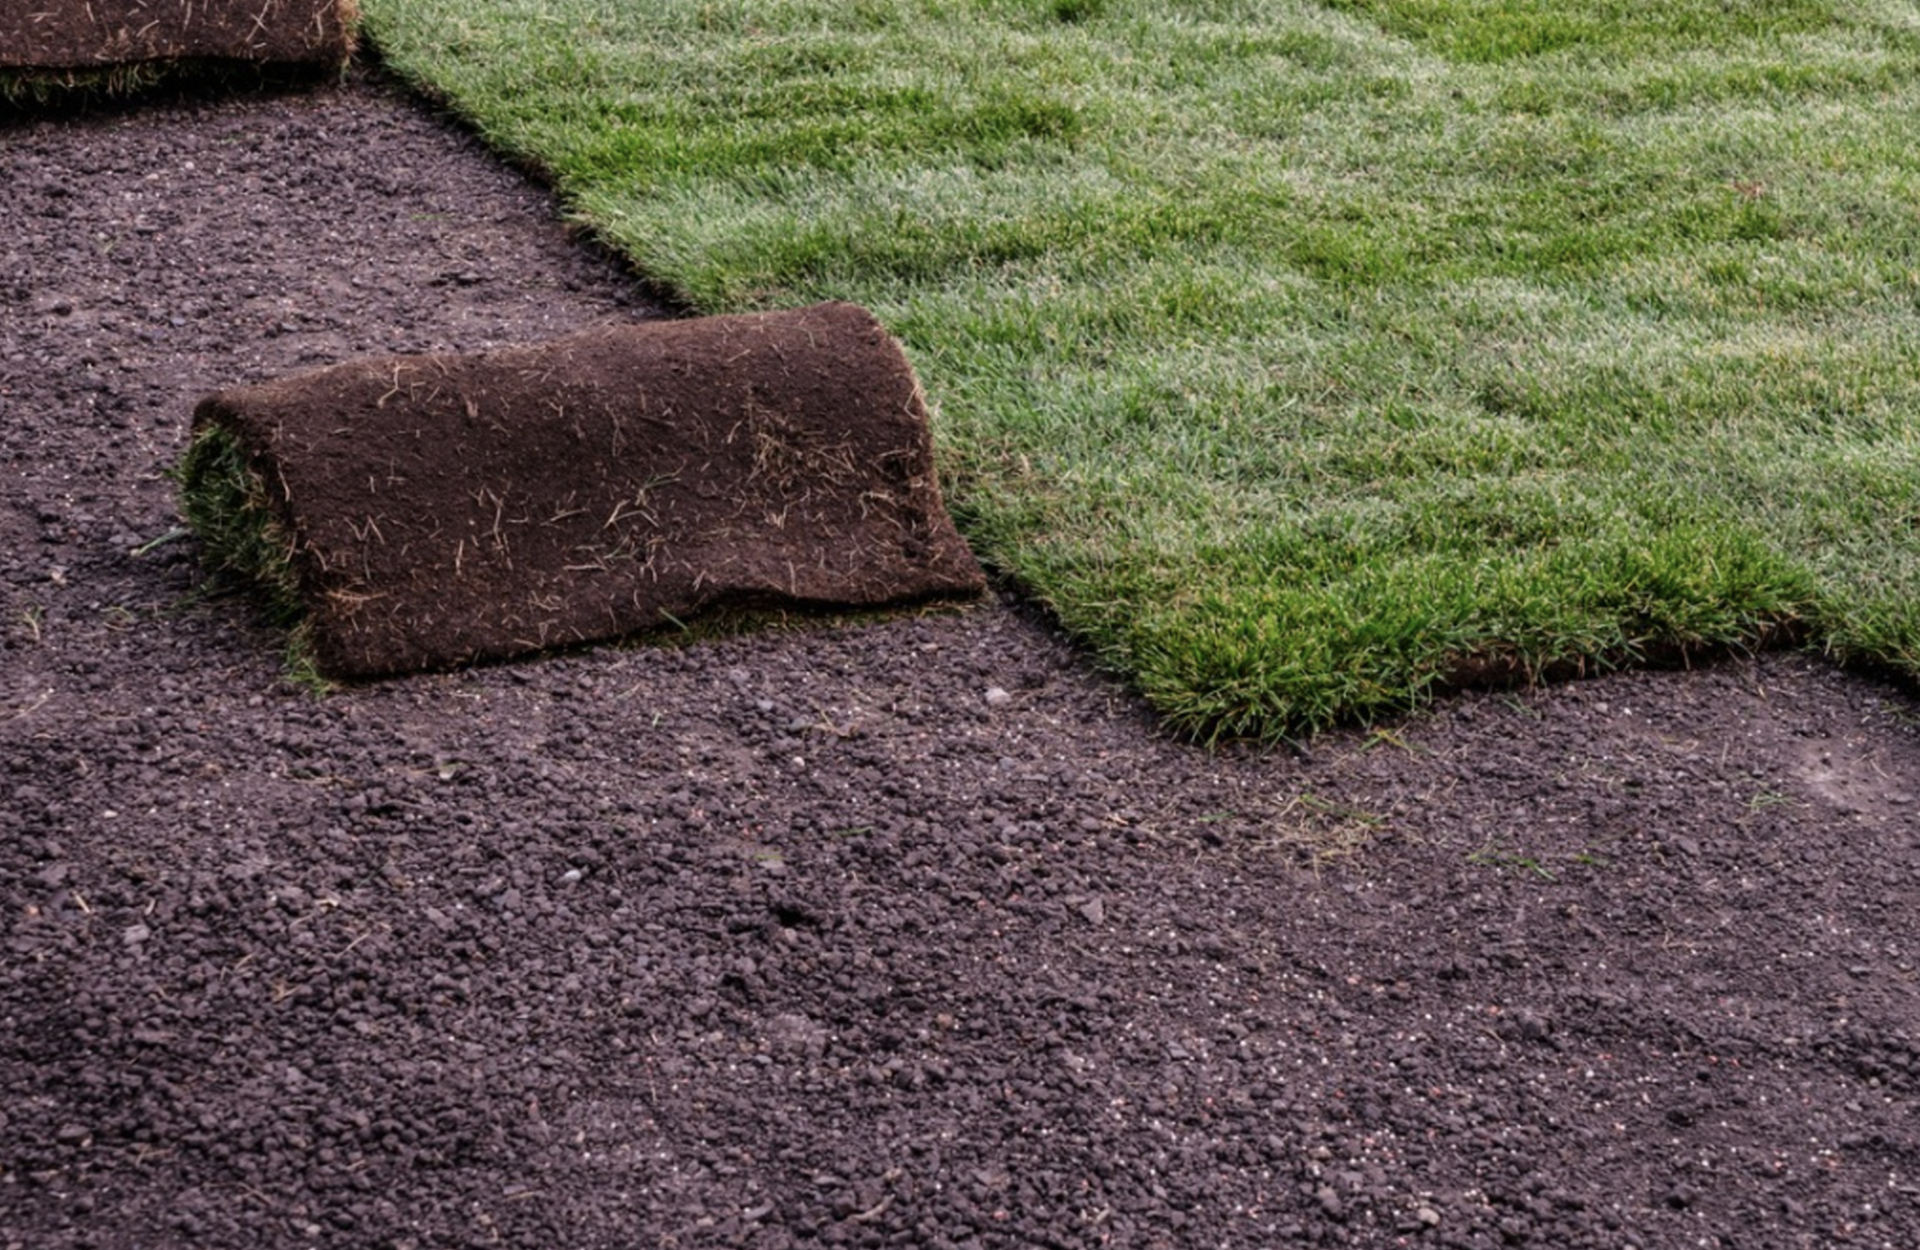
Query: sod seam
[[1298, 358]]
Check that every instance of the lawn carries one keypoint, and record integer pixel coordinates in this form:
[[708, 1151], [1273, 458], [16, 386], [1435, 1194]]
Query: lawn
[[1306, 358]]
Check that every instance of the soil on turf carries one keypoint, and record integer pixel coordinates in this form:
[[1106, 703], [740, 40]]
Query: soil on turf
[[916, 934]]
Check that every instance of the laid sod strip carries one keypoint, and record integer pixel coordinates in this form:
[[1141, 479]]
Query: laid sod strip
[[417, 512], [1307, 358]]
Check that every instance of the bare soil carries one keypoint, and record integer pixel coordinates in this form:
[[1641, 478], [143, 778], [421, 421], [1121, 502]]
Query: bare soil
[[917, 934]]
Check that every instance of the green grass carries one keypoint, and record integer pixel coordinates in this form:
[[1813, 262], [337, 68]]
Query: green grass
[[243, 544], [36, 90], [41, 88], [225, 503], [1303, 358]]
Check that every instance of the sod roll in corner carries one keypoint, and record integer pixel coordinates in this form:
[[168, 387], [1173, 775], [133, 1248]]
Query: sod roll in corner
[[426, 511], [81, 35]]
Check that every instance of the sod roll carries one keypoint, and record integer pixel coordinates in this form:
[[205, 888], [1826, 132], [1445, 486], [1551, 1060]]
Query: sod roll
[[433, 510], [51, 35]]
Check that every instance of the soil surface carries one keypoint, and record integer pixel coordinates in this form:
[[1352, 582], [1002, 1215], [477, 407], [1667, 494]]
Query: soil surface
[[915, 934]]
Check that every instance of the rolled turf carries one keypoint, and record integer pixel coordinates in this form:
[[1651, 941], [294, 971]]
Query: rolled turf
[[124, 44], [425, 511], [82, 34]]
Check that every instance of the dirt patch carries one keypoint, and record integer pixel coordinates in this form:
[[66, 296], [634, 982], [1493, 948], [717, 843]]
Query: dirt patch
[[444, 508], [914, 934], [91, 34]]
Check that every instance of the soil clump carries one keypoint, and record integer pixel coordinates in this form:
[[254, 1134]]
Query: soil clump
[[911, 934]]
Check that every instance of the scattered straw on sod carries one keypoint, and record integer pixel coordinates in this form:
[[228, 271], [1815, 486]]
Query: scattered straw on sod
[[415, 512], [1304, 358], [52, 50]]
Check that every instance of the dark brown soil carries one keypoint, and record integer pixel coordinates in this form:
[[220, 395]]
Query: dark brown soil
[[910, 935], [89, 34], [445, 508]]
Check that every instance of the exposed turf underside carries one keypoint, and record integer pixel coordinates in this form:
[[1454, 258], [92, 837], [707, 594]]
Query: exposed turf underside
[[447, 508], [57, 52]]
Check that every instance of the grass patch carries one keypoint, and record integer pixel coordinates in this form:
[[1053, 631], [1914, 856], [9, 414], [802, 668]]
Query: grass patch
[[242, 541], [36, 90], [1304, 359], [1499, 31], [45, 88]]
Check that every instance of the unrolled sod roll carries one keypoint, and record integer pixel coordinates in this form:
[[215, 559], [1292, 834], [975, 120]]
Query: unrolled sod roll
[[82, 35], [439, 509]]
